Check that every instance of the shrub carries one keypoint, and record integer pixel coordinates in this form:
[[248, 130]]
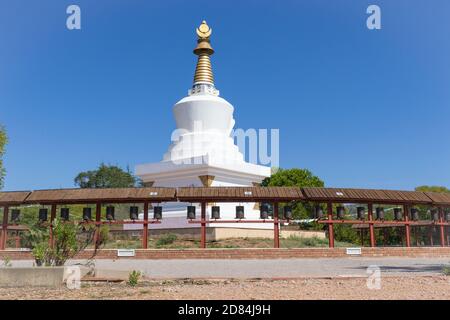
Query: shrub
[[166, 239], [7, 261], [446, 270], [133, 278], [68, 240], [39, 253], [345, 233]]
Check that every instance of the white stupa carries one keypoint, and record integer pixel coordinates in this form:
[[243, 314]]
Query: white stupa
[[203, 152]]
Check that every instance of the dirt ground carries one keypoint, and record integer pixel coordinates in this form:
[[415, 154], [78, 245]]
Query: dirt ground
[[430, 287]]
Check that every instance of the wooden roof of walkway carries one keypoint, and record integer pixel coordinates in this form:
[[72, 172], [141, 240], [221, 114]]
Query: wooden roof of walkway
[[240, 194], [223, 194], [72, 196], [367, 195]]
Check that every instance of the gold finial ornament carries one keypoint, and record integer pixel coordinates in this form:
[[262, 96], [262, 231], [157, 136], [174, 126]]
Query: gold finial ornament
[[203, 71], [204, 31]]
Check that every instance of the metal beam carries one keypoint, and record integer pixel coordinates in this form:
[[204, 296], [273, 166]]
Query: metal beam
[[4, 234], [98, 218], [145, 227], [371, 229], [276, 226], [330, 225], [407, 227], [441, 227], [203, 226]]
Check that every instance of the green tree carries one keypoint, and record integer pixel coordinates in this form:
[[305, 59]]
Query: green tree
[[3, 141], [345, 233], [295, 178], [432, 189], [107, 176]]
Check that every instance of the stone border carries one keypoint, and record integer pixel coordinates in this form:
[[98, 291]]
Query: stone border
[[32, 277], [295, 253]]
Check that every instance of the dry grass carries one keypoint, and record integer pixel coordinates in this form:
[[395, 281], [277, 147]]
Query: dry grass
[[292, 242]]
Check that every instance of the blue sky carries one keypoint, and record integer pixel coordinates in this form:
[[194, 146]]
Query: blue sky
[[359, 108]]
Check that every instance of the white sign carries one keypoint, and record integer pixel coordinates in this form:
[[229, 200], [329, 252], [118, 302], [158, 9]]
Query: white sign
[[126, 252], [354, 251]]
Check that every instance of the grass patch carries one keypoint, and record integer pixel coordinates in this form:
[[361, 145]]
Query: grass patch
[[171, 241], [166, 239], [312, 242], [124, 244]]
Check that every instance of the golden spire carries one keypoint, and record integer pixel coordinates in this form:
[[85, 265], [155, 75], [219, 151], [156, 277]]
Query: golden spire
[[203, 71]]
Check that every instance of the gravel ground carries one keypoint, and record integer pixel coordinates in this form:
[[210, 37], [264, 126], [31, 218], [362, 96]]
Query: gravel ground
[[417, 287]]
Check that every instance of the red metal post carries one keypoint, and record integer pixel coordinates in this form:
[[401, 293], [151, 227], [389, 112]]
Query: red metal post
[[330, 225], [371, 229], [17, 240], [276, 226], [203, 226], [407, 226], [441, 227], [98, 218], [145, 227], [52, 218], [448, 236], [4, 234]]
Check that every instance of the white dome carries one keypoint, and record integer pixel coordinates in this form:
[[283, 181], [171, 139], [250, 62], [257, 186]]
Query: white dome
[[204, 112], [204, 124]]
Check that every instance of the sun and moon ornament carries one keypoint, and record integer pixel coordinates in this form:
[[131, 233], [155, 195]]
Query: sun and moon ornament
[[204, 31]]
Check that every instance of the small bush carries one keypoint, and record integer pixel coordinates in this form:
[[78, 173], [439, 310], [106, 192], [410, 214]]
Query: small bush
[[68, 240], [446, 270], [134, 277], [166, 239], [39, 253], [7, 261]]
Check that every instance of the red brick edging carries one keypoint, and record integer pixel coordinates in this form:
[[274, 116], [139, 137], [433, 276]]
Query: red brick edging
[[431, 252]]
